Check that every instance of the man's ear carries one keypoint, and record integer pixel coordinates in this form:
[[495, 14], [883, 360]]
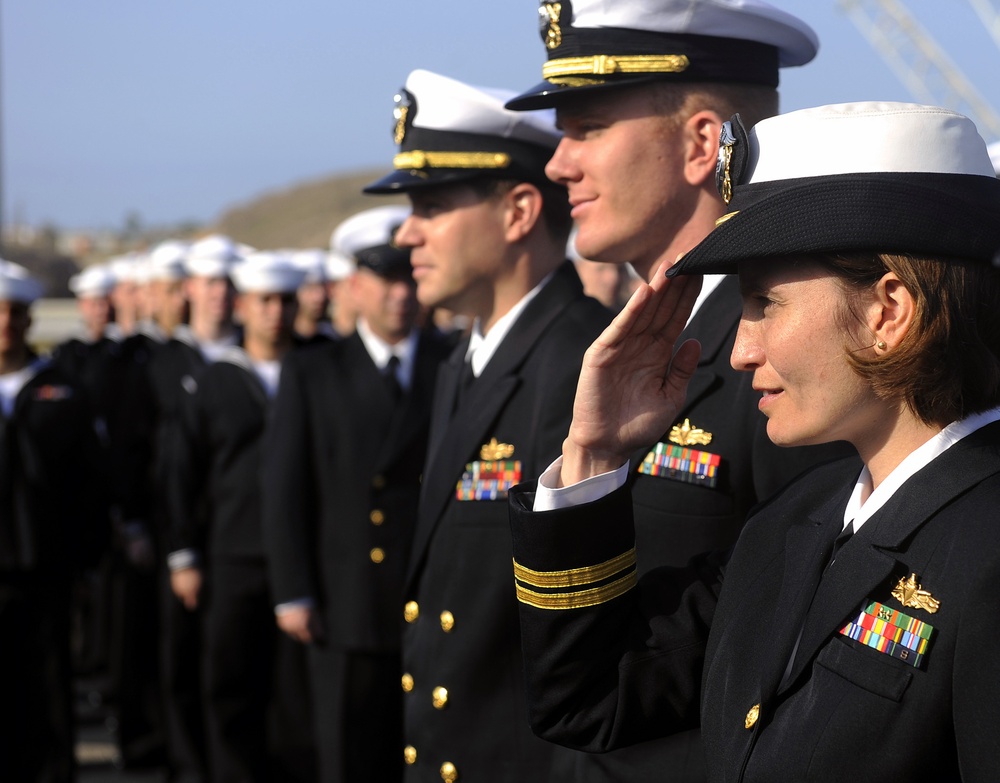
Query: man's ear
[[701, 146], [522, 210]]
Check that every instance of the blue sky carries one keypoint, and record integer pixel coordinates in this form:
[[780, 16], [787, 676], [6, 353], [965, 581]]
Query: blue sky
[[178, 109]]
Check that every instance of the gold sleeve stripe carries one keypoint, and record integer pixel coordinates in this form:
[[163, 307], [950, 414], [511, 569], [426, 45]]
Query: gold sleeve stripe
[[580, 599], [603, 64], [575, 576], [420, 159]]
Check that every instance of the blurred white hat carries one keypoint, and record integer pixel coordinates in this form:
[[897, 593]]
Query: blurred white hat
[[266, 272], [94, 281], [17, 284]]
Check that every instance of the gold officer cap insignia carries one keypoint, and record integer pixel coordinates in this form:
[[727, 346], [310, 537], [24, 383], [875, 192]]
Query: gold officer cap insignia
[[493, 450], [686, 435], [911, 594], [548, 18]]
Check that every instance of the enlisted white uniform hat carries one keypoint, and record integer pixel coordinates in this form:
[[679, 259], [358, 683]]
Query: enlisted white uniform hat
[[166, 261], [212, 256], [312, 262], [338, 266], [448, 131], [880, 177], [96, 280], [596, 44], [994, 150], [266, 272], [367, 239], [17, 284], [125, 268]]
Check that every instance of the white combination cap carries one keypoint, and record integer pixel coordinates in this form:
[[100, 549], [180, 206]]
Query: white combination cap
[[367, 238], [95, 281], [449, 131], [17, 284], [266, 272], [597, 44]]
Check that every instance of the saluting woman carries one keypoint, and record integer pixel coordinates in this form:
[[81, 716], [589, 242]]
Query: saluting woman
[[852, 632]]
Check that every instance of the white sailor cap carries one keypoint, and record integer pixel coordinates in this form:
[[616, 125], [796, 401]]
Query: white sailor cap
[[880, 177], [448, 131], [17, 284], [994, 150], [266, 272], [125, 268], [367, 239], [211, 256], [95, 281], [312, 262], [595, 44], [338, 266], [166, 261]]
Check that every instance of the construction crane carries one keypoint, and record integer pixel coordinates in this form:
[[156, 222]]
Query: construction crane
[[989, 15], [920, 62]]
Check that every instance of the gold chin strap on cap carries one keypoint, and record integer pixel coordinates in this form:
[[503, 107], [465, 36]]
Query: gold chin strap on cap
[[604, 64], [420, 159]]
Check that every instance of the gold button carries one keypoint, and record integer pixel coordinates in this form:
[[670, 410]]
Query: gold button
[[377, 555], [407, 683], [752, 716], [376, 516], [448, 772], [411, 611], [378, 482], [439, 697], [410, 754], [447, 621]]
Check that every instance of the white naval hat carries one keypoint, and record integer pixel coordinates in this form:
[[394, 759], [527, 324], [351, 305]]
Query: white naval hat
[[338, 266], [448, 131], [95, 281], [367, 239], [266, 272], [125, 268], [166, 261], [595, 44], [312, 262], [880, 177], [212, 256], [994, 150], [17, 284]]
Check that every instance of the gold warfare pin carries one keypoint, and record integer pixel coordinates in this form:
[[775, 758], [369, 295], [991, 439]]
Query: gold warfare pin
[[911, 594]]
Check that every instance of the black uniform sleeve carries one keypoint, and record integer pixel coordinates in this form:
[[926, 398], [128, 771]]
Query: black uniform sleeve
[[608, 661], [187, 464]]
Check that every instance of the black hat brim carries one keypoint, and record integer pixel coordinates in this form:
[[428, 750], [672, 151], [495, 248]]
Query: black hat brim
[[935, 215], [406, 180], [548, 95]]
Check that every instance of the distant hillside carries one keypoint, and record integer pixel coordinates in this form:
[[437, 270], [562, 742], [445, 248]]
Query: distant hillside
[[302, 215]]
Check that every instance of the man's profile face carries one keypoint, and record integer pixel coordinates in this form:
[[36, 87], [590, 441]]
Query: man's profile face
[[622, 164], [457, 245]]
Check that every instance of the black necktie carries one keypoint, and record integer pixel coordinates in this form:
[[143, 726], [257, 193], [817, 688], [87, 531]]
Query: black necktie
[[390, 373]]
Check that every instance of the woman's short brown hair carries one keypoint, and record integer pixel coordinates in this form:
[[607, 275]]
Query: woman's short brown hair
[[948, 364]]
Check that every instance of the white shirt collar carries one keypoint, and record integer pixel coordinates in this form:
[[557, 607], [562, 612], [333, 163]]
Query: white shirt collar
[[12, 383], [380, 351], [708, 284], [482, 347], [861, 512]]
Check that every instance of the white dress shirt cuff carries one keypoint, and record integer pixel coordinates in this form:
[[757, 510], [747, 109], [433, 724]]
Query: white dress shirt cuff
[[549, 497], [295, 603]]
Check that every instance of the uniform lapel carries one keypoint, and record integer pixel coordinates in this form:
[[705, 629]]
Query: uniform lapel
[[457, 437], [869, 558]]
